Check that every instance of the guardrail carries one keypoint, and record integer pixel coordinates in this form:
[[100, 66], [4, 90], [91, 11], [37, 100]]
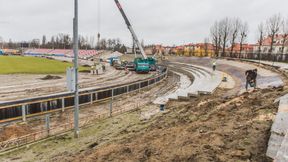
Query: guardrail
[[95, 96], [59, 129], [31, 107]]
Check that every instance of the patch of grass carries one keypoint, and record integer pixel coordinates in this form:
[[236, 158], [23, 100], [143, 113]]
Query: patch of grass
[[33, 65]]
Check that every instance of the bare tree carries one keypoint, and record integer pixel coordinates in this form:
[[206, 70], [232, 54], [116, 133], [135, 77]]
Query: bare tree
[[284, 32], [235, 28], [261, 32], [2, 42], [243, 35], [43, 41], [216, 37], [273, 28], [225, 29], [206, 48], [92, 41], [52, 42]]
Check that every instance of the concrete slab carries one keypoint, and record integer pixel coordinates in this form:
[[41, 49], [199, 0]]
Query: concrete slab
[[183, 84], [277, 146], [282, 154], [274, 145], [208, 82], [205, 82]]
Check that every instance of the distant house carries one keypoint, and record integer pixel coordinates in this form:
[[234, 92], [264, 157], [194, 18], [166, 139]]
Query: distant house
[[129, 51], [246, 48], [277, 47], [198, 49]]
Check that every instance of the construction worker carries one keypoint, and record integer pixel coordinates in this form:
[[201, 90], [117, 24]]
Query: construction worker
[[214, 65], [251, 78], [103, 67]]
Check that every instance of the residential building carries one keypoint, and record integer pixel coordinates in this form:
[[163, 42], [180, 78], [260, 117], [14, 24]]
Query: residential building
[[277, 47]]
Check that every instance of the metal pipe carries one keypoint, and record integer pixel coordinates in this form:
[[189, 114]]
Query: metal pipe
[[76, 48], [24, 113]]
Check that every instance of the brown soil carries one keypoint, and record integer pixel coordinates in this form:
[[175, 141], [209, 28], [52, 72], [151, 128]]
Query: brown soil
[[51, 77], [14, 131], [235, 129]]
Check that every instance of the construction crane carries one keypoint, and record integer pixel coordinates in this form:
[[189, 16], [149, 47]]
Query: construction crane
[[144, 64]]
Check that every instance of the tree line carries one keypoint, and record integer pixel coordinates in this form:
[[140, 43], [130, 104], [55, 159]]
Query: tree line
[[65, 41], [229, 31]]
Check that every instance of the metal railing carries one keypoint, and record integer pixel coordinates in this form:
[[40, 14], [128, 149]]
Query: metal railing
[[87, 121], [31, 107]]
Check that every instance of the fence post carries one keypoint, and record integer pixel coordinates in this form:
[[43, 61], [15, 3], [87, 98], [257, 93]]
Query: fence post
[[128, 89], [24, 113], [111, 103], [63, 104], [148, 83], [47, 123], [91, 98], [139, 87]]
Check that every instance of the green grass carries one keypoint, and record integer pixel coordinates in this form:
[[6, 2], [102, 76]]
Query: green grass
[[32, 65]]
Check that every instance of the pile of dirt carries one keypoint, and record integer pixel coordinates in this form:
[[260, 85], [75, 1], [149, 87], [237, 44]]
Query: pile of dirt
[[51, 77], [14, 131], [221, 129]]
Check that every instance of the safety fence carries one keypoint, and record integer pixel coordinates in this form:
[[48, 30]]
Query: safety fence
[[98, 96], [23, 109], [277, 57], [62, 128]]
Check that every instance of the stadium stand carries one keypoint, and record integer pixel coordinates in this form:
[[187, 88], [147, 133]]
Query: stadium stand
[[11, 52], [83, 54]]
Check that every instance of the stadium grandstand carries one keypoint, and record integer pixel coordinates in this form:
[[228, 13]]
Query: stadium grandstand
[[9, 52], [83, 54]]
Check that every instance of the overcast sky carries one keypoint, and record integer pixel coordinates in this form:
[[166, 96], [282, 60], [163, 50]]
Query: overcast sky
[[165, 22]]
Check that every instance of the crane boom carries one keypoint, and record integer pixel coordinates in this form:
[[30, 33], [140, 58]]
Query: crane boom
[[131, 29]]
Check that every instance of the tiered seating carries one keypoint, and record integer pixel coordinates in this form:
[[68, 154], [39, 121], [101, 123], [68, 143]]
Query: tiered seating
[[83, 54], [87, 53], [37, 52], [59, 52], [205, 82]]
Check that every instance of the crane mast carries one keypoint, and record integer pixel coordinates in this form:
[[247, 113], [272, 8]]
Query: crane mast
[[131, 29]]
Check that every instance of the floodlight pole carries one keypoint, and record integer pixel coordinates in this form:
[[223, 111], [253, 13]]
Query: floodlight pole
[[75, 50]]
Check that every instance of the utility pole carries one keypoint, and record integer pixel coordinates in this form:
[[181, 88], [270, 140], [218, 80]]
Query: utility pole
[[76, 46]]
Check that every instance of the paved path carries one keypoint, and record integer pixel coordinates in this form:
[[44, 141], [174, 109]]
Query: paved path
[[237, 70], [281, 65]]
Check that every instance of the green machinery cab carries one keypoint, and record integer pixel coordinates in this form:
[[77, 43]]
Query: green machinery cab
[[152, 63], [141, 65]]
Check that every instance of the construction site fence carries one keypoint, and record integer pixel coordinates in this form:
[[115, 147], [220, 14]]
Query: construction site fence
[[23, 109], [57, 130], [276, 57]]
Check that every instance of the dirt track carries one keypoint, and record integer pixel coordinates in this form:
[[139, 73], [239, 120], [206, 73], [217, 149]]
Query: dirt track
[[24, 86]]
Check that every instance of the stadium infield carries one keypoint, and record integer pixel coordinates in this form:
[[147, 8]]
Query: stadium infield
[[32, 65]]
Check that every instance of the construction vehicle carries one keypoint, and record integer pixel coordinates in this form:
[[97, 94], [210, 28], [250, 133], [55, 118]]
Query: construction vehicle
[[145, 64]]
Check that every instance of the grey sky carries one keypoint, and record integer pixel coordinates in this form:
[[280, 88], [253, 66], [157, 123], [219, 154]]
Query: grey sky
[[156, 21]]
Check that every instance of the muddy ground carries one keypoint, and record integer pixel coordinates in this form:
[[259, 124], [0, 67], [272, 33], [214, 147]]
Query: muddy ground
[[211, 129], [208, 128]]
